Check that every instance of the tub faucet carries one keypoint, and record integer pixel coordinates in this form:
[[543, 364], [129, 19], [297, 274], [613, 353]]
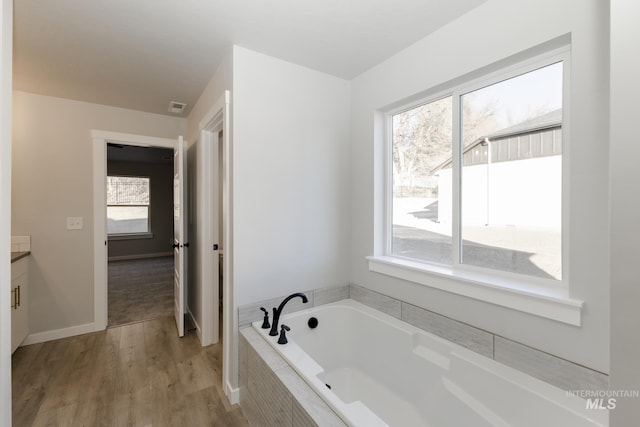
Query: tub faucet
[[277, 311]]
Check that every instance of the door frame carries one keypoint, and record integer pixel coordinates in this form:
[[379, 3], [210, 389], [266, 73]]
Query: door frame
[[218, 119], [210, 127], [6, 49], [100, 253]]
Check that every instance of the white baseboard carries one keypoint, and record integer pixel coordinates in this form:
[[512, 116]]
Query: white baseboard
[[233, 394], [58, 333], [140, 256], [195, 322]]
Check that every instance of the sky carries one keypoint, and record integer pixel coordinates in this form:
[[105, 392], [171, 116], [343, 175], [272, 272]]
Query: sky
[[519, 96]]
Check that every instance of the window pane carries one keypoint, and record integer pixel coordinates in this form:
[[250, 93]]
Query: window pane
[[422, 182], [512, 174], [127, 219], [124, 190]]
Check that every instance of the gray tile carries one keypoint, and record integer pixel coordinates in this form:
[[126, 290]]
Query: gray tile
[[460, 333], [554, 370], [251, 410], [243, 348], [271, 397], [375, 300], [250, 313], [328, 295], [312, 410], [259, 345], [301, 418]]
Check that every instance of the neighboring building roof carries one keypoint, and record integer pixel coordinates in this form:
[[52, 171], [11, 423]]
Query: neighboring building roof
[[548, 121]]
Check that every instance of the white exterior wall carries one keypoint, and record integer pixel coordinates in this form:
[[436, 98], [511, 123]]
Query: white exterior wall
[[520, 192], [454, 51]]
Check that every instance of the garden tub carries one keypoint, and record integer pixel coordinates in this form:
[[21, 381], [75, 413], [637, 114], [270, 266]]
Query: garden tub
[[375, 370]]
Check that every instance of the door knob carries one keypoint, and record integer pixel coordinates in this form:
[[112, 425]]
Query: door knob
[[175, 245]]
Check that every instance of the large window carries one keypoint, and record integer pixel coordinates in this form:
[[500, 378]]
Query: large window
[[128, 205], [477, 175]]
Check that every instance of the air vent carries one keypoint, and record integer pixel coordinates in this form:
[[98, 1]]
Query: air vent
[[176, 107]]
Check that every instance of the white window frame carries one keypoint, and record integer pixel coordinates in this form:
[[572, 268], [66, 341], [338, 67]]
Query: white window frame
[[131, 236], [547, 298]]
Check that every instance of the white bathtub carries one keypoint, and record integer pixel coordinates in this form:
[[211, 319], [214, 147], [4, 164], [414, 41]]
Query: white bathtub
[[383, 371]]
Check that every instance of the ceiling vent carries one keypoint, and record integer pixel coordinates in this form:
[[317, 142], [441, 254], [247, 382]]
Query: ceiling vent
[[176, 107]]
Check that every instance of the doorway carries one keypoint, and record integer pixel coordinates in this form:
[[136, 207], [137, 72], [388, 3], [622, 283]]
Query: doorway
[[101, 139], [139, 193]]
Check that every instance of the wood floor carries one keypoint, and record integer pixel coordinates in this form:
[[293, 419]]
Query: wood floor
[[139, 374], [140, 290]]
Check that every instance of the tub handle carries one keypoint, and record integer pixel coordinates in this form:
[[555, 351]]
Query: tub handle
[[265, 322], [283, 334]]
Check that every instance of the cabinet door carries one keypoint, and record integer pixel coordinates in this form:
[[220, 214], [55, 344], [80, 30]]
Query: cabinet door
[[19, 298]]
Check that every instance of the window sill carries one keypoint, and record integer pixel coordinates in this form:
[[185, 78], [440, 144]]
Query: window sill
[[541, 301], [133, 236]]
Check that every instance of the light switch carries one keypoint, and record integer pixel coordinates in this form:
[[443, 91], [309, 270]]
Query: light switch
[[74, 223]]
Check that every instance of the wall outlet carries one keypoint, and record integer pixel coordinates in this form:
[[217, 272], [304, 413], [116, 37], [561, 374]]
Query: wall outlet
[[74, 223]]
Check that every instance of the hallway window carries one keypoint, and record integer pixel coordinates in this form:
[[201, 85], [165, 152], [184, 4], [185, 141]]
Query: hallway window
[[128, 201]]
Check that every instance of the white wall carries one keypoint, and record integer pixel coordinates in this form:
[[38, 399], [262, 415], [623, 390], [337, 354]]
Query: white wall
[[6, 50], [220, 81], [492, 32], [625, 208], [290, 177], [52, 179]]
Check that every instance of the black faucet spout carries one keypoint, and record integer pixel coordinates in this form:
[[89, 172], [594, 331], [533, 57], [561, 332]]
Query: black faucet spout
[[278, 311]]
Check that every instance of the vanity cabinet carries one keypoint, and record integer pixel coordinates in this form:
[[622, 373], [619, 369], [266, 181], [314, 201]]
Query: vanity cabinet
[[19, 302]]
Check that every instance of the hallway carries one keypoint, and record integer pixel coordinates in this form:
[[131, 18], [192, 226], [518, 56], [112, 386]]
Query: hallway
[[139, 374]]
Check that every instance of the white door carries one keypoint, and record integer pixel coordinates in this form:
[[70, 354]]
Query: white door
[[179, 235]]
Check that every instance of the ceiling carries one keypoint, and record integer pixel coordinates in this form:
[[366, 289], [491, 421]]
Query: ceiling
[[143, 54]]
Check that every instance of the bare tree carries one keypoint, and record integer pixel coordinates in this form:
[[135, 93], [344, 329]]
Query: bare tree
[[422, 138]]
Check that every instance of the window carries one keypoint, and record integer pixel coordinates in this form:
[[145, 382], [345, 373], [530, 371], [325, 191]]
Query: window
[[128, 205], [476, 175]]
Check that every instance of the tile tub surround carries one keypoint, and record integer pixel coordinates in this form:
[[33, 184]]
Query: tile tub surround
[[250, 313], [543, 366], [554, 370], [272, 393]]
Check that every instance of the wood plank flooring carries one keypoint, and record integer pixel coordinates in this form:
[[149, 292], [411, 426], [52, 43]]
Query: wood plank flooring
[[139, 374], [140, 289]]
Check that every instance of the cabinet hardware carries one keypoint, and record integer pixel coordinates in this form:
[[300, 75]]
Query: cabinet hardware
[[18, 304]]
